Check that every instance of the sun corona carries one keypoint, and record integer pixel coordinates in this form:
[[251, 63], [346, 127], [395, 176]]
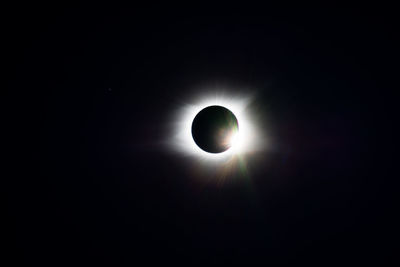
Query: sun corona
[[238, 143]]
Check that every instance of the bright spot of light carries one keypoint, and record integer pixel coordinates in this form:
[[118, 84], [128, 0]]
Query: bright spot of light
[[232, 139]]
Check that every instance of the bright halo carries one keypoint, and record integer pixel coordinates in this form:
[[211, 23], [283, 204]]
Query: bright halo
[[245, 140]]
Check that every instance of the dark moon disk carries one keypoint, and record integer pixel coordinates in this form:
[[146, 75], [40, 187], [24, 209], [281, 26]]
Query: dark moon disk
[[212, 128]]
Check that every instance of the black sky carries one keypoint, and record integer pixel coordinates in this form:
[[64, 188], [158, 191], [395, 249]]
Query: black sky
[[90, 93]]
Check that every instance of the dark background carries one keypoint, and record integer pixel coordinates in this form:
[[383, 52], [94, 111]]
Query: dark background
[[90, 93]]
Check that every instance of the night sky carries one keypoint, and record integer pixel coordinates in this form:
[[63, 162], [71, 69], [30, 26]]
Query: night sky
[[90, 102]]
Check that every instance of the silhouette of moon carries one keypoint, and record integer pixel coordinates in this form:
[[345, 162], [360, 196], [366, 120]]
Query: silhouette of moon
[[213, 128]]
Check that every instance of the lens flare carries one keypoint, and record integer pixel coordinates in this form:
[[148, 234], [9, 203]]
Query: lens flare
[[232, 140]]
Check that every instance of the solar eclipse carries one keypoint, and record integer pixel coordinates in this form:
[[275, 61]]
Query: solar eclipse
[[217, 127]]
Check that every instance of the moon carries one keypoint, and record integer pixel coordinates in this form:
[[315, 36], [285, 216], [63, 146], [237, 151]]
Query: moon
[[214, 129]]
